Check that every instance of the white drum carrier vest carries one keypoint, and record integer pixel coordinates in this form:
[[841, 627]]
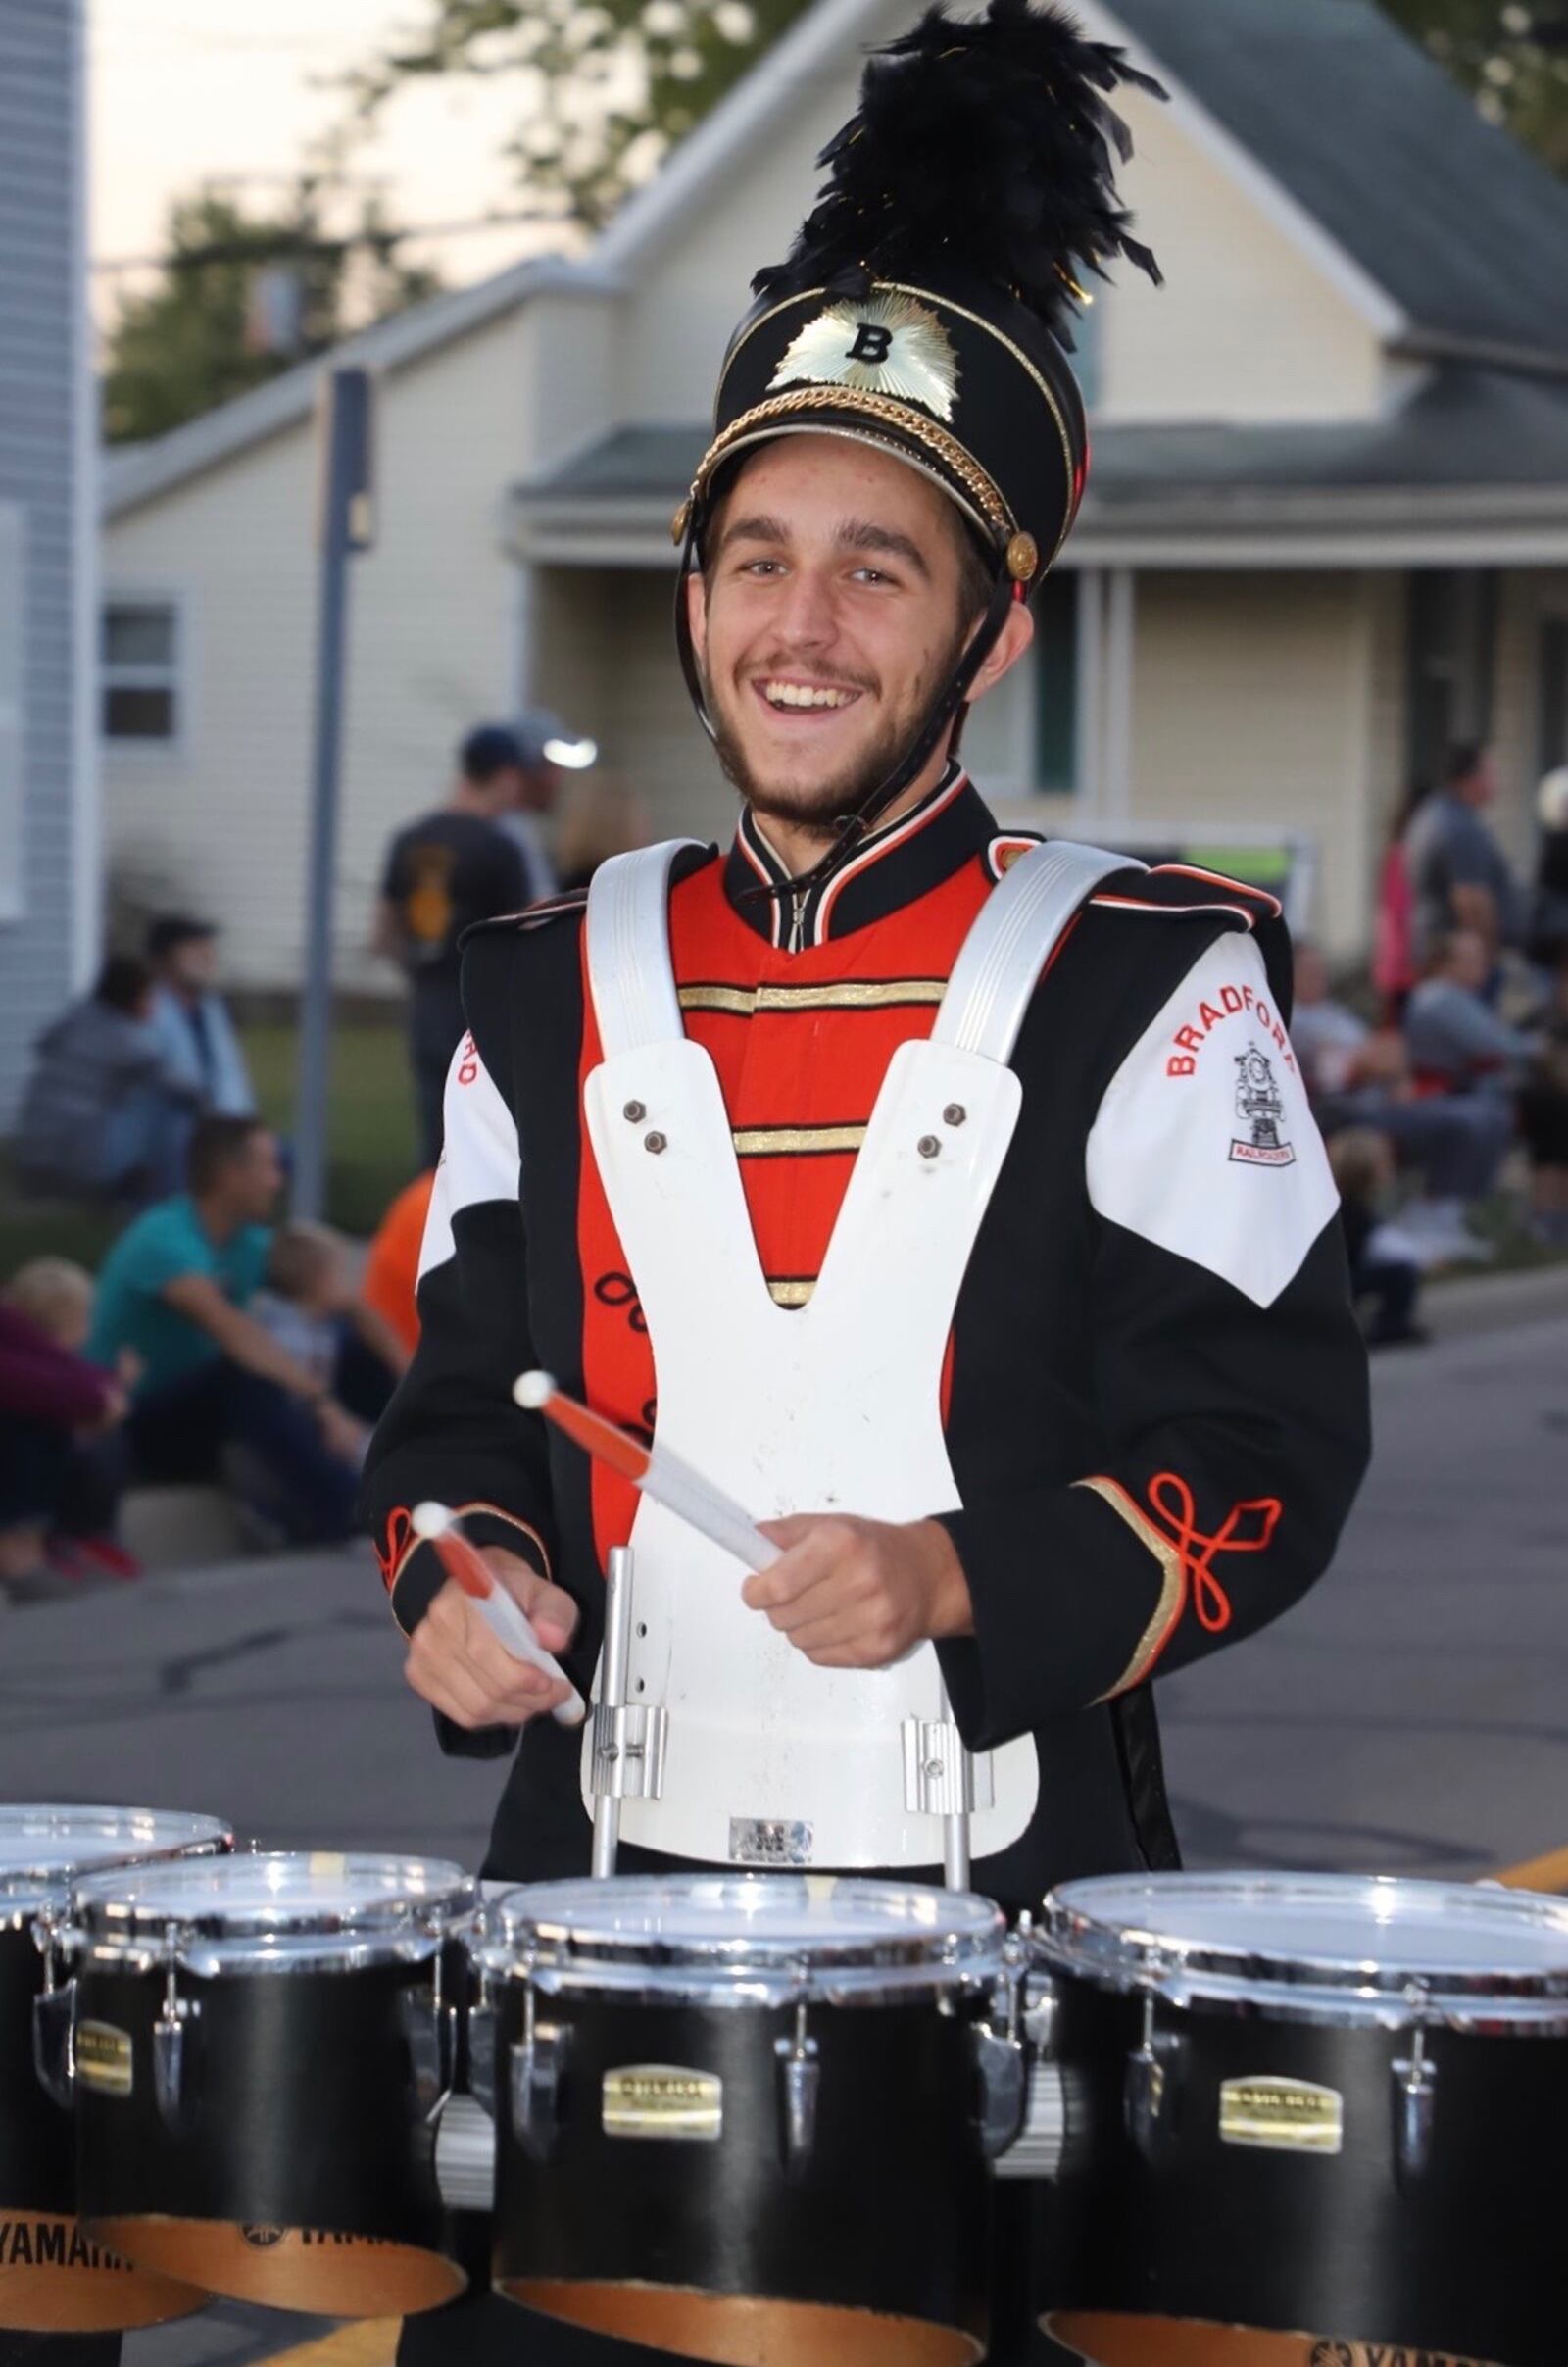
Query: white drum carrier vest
[[831, 1407]]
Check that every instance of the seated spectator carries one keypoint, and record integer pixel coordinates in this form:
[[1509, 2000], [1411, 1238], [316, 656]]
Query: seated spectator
[[1549, 921], [62, 1460], [201, 1050], [1544, 1123], [1456, 1042], [1460, 876], [310, 1307], [175, 1289], [392, 1263], [1385, 1268], [1360, 1076], [102, 1110]]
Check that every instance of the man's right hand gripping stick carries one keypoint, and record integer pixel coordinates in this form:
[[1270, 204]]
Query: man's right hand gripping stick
[[500, 1611]]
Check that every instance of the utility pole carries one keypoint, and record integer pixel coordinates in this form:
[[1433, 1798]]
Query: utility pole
[[345, 525]]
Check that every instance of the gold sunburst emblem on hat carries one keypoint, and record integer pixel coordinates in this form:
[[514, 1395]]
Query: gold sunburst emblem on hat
[[885, 345]]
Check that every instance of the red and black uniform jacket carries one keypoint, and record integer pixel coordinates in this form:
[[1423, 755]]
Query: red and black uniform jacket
[[1154, 1395]]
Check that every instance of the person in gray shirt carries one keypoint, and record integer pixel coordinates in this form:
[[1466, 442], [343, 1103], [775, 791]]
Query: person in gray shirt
[[1460, 876], [1453, 1033]]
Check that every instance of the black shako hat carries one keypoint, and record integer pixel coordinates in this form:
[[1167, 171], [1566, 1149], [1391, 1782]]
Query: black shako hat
[[926, 308]]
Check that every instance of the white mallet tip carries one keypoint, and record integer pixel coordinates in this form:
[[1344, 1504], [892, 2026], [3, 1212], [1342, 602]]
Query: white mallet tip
[[532, 1390], [429, 1519]]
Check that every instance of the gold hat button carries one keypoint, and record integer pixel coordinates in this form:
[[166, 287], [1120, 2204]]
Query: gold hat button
[[1023, 558]]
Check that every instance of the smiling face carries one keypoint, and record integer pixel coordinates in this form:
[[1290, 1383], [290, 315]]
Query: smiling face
[[835, 600]]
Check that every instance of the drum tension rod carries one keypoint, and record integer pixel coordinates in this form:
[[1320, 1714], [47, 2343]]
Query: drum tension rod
[[1415, 2095], [1151, 2087], [173, 2060], [799, 2078], [1000, 2057], [430, 2027]]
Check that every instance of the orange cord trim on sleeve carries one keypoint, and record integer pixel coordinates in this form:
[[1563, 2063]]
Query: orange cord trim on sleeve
[[1171, 1499], [1186, 1557], [400, 1543]]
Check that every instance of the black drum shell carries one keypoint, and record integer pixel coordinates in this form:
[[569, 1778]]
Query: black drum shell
[[301, 2113], [1464, 2257], [890, 2212], [38, 2142]]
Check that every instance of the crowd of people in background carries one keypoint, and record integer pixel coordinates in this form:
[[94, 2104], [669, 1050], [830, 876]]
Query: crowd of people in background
[[219, 1344], [1461, 1064]]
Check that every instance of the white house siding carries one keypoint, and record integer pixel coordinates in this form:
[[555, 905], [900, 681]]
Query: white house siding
[[47, 938], [432, 648], [1252, 704], [1246, 327]]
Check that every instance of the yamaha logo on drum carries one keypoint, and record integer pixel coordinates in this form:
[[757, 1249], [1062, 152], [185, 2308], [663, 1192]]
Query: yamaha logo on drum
[[1382, 2354], [1282, 2116]]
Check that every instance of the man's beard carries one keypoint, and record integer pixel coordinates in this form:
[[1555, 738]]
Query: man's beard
[[818, 808]]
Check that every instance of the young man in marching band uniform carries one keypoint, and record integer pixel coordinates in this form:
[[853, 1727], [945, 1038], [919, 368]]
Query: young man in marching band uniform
[[952, 1204]]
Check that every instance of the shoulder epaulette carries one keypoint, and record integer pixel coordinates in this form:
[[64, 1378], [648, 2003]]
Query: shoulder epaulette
[[1006, 848], [1180, 887], [532, 916]]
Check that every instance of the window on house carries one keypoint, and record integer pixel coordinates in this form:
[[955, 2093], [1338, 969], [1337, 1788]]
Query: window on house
[[139, 670], [1056, 662], [11, 679]]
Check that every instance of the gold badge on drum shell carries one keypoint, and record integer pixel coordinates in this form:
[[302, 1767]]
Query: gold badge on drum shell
[[662, 2100], [1282, 2116], [104, 2058]]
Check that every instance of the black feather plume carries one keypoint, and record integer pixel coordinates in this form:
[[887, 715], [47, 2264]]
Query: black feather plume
[[984, 147]]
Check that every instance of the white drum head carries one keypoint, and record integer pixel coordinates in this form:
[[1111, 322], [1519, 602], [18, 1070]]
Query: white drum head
[[263, 1907], [809, 1935], [44, 1846], [1471, 1952]]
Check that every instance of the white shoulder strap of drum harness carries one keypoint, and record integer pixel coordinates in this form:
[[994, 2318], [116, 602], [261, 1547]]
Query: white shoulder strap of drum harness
[[1014, 935], [636, 1003]]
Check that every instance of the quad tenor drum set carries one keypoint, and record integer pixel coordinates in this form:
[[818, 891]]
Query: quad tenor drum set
[[760, 2118]]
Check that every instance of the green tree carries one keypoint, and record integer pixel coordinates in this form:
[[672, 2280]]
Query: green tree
[[605, 89], [241, 297], [1511, 54]]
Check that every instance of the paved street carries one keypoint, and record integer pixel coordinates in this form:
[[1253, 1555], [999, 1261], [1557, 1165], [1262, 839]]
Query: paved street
[[1409, 1717]]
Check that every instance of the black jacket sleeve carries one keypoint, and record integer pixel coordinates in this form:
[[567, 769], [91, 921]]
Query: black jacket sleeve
[[1228, 1375], [453, 1431]]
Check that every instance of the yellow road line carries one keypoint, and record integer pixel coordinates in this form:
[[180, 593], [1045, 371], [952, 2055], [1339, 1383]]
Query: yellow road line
[[1549, 1873], [372, 2343]]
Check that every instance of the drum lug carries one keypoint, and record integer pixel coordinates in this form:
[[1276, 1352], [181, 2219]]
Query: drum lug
[[1416, 2103], [1151, 2089], [53, 2019], [536, 2062], [173, 2059], [999, 2057], [1003, 2089], [54, 2041], [800, 2077]]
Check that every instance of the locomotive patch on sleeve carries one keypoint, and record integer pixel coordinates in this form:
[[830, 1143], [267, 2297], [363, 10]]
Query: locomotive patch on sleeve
[[1203, 1142]]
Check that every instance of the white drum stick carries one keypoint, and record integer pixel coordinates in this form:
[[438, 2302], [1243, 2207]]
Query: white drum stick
[[658, 1473], [494, 1604]]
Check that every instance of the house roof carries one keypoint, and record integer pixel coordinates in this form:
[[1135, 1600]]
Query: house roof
[[1464, 427], [1455, 228], [1458, 223]]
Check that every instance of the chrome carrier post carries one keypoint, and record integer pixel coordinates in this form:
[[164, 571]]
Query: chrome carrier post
[[628, 1739]]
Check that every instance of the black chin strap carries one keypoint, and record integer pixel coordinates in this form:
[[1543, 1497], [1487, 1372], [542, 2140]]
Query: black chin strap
[[851, 828]]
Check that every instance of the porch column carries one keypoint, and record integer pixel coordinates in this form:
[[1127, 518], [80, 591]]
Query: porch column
[[1116, 802], [1090, 733]]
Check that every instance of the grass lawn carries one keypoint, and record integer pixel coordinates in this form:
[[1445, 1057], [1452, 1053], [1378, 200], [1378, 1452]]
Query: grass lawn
[[371, 1150]]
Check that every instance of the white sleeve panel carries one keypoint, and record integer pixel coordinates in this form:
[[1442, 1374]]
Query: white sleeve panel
[[479, 1157], [1203, 1142]]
